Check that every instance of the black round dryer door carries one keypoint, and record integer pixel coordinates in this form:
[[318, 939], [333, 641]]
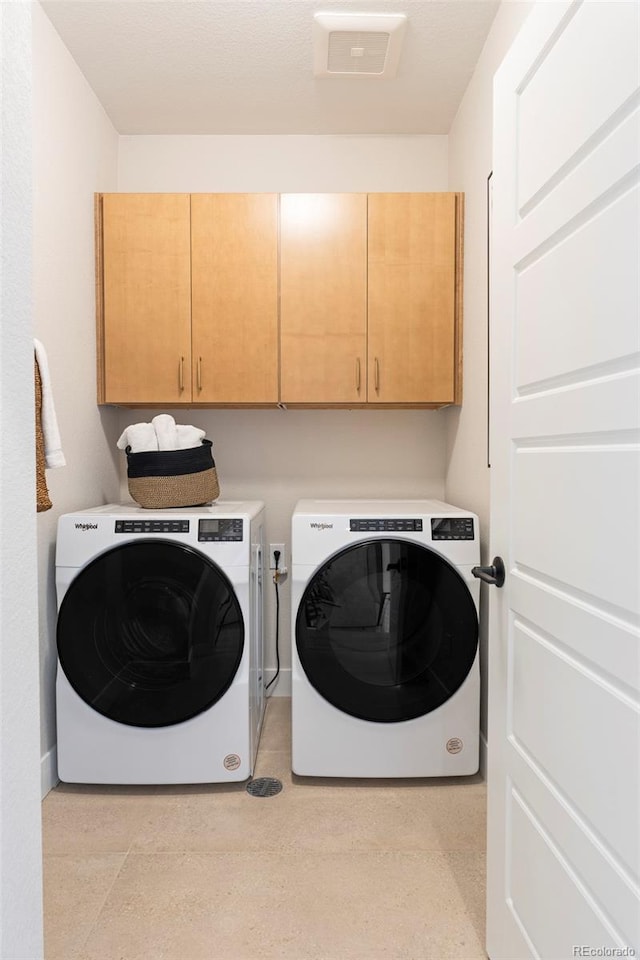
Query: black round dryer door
[[386, 630], [150, 633]]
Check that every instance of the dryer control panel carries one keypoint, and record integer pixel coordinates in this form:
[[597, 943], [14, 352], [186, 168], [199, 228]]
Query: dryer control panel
[[452, 528], [223, 529]]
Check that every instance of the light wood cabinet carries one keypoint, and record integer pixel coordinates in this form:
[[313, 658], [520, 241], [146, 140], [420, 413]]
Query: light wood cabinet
[[412, 297], [323, 298], [234, 290], [370, 310], [303, 299], [187, 299], [144, 298]]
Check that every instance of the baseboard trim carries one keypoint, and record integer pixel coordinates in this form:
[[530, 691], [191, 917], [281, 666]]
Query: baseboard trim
[[282, 686], [49, 771]]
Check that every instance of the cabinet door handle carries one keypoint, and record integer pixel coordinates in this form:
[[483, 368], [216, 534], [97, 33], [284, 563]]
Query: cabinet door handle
[[199, 376], [181, 374], [358, 374], [376, 368]]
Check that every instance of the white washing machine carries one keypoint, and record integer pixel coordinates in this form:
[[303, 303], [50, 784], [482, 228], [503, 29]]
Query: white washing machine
[[385, 673], [160, 643]]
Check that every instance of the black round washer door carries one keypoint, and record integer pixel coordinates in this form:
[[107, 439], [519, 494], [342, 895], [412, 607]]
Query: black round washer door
[[150, 633], [386, 630]]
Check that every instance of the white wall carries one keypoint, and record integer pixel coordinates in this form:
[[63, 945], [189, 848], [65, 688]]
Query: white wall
[[282, 164], [20, 853], [470, 163], [280, 456], [74, 154]]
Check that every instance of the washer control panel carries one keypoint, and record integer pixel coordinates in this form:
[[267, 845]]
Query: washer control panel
[[384, 525], [152, 526], [220, 530], [452, 528]]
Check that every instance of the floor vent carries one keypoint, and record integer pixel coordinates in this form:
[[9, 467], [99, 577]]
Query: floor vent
[[264, 787]]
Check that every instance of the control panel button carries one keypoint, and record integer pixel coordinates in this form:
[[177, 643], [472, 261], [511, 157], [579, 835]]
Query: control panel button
[[151, 526], [385, 525]]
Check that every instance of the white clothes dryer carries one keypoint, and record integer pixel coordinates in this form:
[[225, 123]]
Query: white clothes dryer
[[160, 643], [385, 674]]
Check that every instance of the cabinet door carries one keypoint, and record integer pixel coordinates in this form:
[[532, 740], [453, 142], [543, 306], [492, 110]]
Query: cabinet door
[[146, 298], [234, 243], [412, 297], [323, 291]]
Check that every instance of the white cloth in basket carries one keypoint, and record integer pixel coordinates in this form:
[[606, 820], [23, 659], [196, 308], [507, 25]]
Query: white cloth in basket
[[163, 433], [176, 436], [140, 437], [188, 436], [165, 427]]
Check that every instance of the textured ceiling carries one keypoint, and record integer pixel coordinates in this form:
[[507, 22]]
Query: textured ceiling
[[246, 66]]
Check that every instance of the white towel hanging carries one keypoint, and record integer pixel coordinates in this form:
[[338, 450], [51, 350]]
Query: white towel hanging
[[54, 457]]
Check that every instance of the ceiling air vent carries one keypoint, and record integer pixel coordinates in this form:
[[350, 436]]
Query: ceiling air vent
[[357, 44]]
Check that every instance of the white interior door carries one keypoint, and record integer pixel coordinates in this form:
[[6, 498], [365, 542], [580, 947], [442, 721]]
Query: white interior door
[[564, 746]]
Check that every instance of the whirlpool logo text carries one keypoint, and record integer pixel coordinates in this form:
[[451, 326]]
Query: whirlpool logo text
[[86, 526], [321, 526]]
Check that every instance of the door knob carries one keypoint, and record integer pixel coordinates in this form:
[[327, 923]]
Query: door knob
[[493, 574]]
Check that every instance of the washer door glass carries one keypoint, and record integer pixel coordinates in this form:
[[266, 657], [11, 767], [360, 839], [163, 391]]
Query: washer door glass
[[150, 633], [387, 630]]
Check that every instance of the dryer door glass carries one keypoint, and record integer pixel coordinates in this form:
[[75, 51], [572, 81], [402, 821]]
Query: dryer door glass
[[150, 633], [387, 630]]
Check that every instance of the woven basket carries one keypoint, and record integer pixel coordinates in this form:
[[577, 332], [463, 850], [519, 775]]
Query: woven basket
[[42, 491], [160, 479]]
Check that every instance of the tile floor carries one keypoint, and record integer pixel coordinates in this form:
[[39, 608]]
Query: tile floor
[[325, 870]]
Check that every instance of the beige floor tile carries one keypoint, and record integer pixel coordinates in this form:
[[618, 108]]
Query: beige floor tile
[[434, 813], [330, 818], [273, 763], [75, 889], [329, 869], [175, 793], [276, 727], [100, 820], [105, 789], [374, 906], [469, 876]]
